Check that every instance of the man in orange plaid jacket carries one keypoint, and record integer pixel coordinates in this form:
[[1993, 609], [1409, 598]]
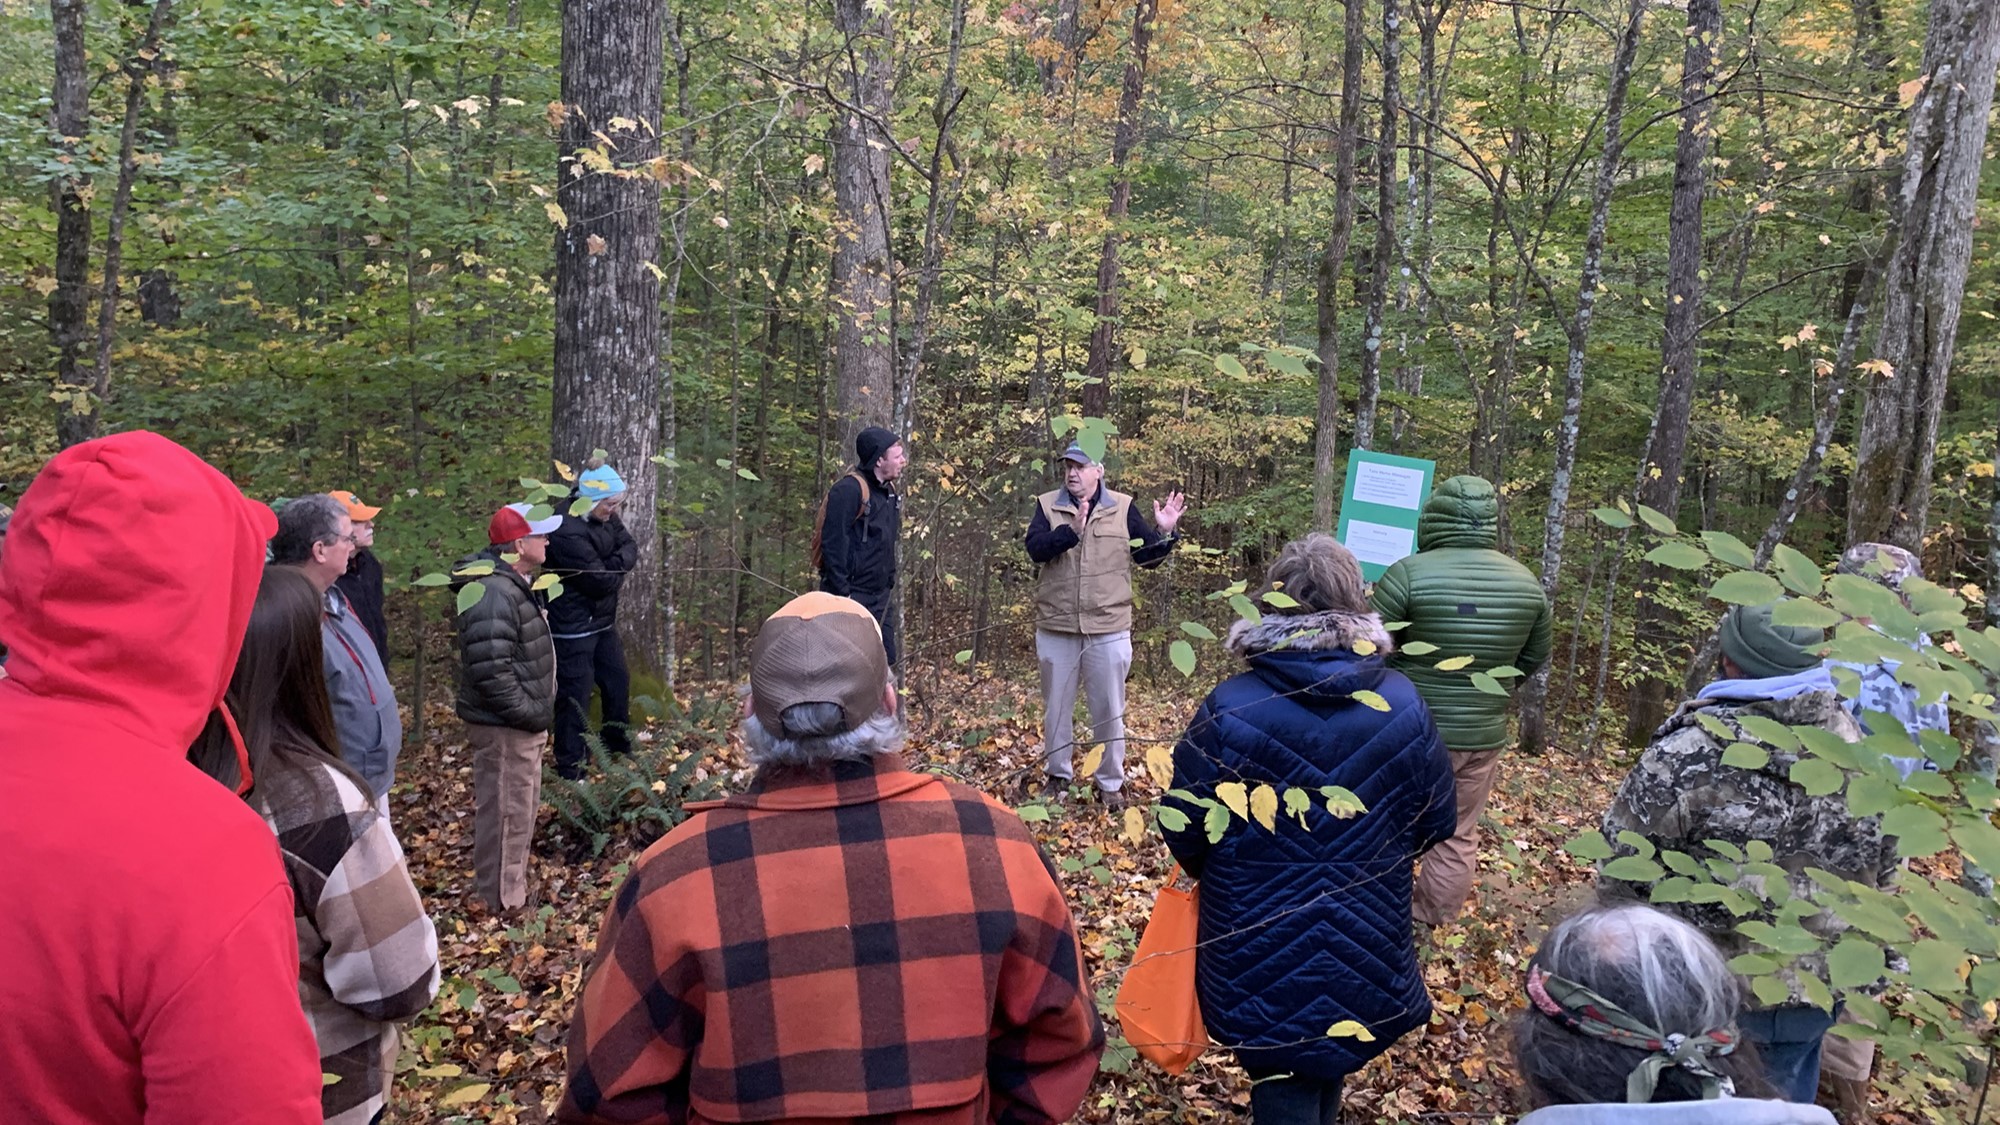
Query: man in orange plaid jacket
[[848, 940]]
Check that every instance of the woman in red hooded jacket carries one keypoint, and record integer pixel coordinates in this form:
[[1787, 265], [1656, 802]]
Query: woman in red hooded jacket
[[145, 919]]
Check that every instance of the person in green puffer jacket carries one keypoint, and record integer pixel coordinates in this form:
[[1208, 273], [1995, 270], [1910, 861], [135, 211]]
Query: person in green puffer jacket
[[1465, 598]]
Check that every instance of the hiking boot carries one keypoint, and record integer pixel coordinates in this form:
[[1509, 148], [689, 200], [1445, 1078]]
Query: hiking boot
[[1045, 790], [1113, 799]]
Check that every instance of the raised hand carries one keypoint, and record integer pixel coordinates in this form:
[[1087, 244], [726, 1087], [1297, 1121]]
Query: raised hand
[[1168, 515]]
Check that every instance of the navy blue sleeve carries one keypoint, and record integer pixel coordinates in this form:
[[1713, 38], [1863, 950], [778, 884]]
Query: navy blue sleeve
[[1153, 547], [1044, 543], [1438, 819], [1195, 773]]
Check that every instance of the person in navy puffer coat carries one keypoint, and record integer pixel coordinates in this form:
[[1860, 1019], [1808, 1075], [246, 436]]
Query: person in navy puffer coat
[[1307, 925]]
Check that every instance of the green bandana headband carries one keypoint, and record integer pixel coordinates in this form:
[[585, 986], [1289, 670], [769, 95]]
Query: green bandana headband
[[1586, 1013]]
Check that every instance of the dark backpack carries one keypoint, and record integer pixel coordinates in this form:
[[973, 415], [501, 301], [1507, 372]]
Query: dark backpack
[[819, 525]]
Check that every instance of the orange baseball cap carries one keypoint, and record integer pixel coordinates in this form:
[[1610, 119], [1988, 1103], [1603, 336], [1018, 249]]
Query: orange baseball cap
[[355, 508]]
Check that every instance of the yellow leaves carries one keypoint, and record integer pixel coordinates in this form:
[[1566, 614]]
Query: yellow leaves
[[468, 106], [1765, 207], [1908, 91], [1351, 1029], [815, 164], [1881, 368], [1160, 764], [658, 273], [719, 221], [1235, 795], [1453, 664], [1091, 760], [44, 285], [1808, 332], [565, 472], [1371, 700], [595, 244], [556, 215], [1264, 807], [1363, 647], [1979, 469], [466, 1095], [1137, 358], [1135, 825]]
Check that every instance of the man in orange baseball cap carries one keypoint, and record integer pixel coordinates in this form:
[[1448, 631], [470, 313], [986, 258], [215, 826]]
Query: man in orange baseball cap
[[363, 581]]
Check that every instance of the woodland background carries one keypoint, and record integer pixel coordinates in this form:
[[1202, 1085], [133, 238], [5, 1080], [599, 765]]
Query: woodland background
[[1731, 260]]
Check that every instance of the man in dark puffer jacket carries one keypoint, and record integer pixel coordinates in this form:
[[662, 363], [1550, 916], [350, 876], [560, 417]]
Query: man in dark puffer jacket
[[1463, 598], [506, 695]]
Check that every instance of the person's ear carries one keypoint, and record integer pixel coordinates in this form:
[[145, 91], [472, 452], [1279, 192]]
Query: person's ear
[[890, 701], [749, 706]]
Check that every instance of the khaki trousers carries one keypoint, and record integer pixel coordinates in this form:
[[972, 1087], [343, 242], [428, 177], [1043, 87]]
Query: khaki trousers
[[1447, 872], [506, 794]]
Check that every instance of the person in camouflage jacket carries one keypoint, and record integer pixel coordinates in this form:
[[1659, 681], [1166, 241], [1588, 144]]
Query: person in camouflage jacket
[[1681, 795]]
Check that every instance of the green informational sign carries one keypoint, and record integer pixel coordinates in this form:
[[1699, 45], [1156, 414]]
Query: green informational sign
[[1379, 507]]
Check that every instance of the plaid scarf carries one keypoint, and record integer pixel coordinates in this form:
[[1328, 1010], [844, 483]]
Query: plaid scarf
[[1586, 1013]]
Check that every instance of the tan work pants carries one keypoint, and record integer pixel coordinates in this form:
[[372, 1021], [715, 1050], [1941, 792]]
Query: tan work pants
[[506, 794], [1447, 872]]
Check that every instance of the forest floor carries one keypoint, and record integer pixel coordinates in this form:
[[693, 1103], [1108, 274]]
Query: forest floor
[[490, 1049]]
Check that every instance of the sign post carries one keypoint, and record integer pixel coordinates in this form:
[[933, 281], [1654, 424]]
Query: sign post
[[1379, 507]]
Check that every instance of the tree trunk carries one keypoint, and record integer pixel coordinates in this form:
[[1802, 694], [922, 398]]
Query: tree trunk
[[863, 289], [1939, 190], [1374, 334], [1124, 138], [607, 338], [1326, 425], [1661, 469], [668, 650], [1533, 719], [69, 301]]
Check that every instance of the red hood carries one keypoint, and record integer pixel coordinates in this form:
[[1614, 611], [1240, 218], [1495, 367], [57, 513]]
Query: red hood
[[130, 569]]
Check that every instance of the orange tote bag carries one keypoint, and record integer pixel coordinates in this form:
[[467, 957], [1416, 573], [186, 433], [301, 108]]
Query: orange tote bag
[[1156, 1006]]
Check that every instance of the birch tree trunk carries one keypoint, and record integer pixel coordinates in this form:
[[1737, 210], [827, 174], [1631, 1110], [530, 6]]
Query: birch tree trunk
[[1384, 256], [1533, 717], [1891, 493], [1326, 423], [607, 298], [1660, 470], [863, 288], [1124, 138]]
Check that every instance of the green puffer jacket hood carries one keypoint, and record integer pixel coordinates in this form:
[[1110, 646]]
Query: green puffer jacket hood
[[1463, 512], [1464, 598]]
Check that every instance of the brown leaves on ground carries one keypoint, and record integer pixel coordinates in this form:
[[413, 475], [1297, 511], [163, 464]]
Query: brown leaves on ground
[[491, 1048]]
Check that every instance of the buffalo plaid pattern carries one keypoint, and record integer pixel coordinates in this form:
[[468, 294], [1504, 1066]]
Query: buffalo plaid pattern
[[857, 943]]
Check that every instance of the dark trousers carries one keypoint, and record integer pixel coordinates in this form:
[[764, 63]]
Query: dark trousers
[[1787, 1039], [880, 605], [582, 663], [1294, 1099]]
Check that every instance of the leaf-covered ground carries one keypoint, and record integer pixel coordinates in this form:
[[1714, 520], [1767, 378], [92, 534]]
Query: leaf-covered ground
[[490, 1048]]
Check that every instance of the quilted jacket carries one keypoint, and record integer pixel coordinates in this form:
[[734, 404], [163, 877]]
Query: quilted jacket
[[1468, 599], [507, 660], [1308, 924]]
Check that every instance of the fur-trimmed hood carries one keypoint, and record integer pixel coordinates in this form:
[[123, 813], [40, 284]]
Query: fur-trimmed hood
[[1313, 654], [1309, 632]]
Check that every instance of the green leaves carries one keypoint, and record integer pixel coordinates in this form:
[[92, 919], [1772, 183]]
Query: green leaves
[[1633, 869], [1799, 574], [1745, 587], [1182, 654], [1197, 630], [1728, 549], [1657, 521], [469, 595], [1612, 517], [1680, 556], [1818, 778], [1854, 962]]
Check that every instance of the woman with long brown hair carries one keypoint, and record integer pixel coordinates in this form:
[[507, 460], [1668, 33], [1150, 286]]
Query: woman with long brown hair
[[367, 951]]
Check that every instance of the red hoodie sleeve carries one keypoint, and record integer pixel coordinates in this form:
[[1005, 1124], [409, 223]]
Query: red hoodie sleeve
[[232, 1043]]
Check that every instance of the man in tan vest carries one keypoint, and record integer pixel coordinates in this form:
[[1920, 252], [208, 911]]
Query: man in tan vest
[[1083, 536]]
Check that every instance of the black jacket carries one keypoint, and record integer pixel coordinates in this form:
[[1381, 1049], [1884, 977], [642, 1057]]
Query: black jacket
[[363, 586], [507, 661], [858, 556], [592, 558]]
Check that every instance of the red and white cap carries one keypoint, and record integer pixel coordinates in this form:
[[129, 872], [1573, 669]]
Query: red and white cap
[[512, 522]]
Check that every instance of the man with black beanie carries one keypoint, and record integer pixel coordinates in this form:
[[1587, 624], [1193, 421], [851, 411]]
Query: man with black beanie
[[854, 545]]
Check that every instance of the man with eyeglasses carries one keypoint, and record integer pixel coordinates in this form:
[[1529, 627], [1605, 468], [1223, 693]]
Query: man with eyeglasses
[[316, 535]]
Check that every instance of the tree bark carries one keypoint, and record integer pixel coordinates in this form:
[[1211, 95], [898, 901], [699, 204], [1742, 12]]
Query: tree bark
[[1374, 333], [1660, 470], [69, 301], [1326, 423], [863, 288], [1124, 138], [1533, 718], [1937, 197], [668, 650], [607, 293]]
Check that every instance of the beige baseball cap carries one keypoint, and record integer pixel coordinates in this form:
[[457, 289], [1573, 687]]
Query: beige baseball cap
[[818, 648]]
